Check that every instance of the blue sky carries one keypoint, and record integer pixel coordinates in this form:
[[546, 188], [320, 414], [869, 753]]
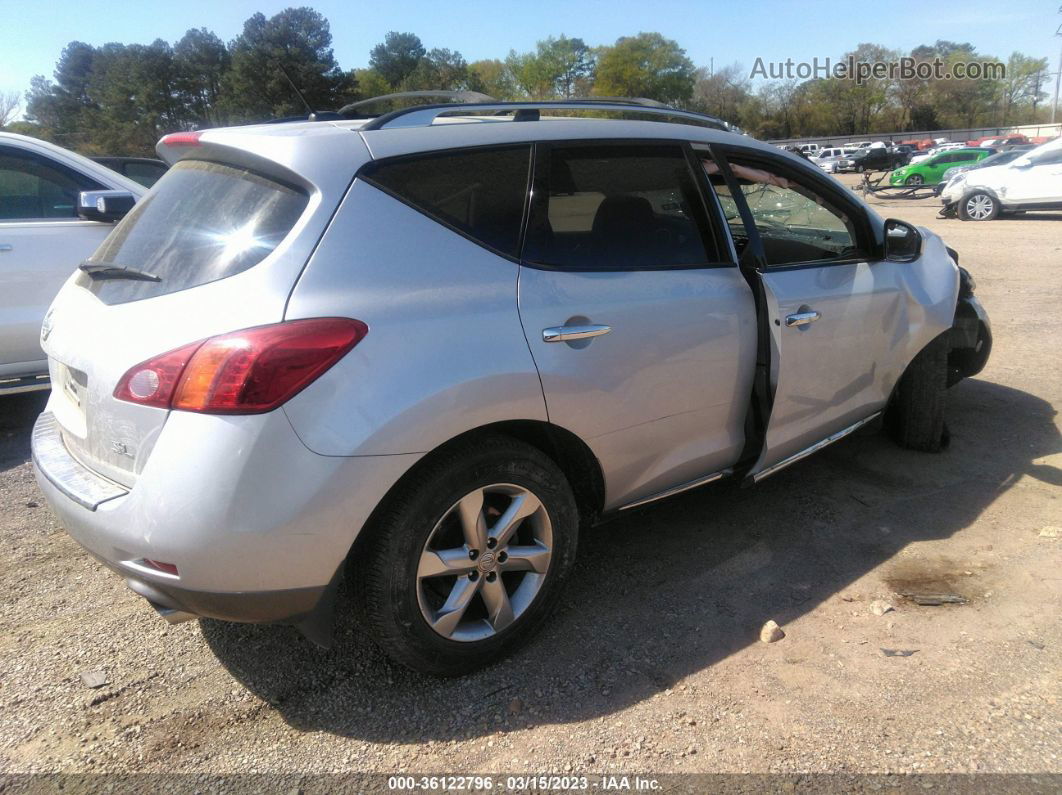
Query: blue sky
[[34, 32]]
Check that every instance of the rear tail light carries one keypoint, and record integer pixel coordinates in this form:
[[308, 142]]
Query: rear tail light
[[245, 372], [181, 139]]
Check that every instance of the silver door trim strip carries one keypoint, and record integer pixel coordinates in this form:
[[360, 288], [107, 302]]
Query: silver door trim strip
[[758, 476], [678, 489]]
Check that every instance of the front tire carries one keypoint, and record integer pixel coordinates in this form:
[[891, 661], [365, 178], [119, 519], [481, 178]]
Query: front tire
[[914, 179], [979, 206], [915, 416], [465, 563]]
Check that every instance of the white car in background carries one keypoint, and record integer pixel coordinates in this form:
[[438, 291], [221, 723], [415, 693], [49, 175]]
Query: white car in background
[[1032, 182], [44, 235]]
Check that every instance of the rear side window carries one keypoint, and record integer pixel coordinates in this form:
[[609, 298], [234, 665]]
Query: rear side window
[[203, 222], [479, 193], [617, 207]]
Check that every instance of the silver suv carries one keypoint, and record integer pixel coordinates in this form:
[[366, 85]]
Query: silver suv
[[422, 350]]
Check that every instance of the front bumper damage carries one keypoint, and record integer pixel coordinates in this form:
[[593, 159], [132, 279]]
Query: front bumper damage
[[971, 334]]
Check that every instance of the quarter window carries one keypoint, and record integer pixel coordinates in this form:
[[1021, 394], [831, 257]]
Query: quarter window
[[32, 187], [615, 207], [795, 222], [480, 192]]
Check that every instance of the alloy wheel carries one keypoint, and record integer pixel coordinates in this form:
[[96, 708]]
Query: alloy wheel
[[484, 562], [980, 207]]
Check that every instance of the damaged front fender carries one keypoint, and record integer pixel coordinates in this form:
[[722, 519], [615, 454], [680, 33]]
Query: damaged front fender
[[971, 339]]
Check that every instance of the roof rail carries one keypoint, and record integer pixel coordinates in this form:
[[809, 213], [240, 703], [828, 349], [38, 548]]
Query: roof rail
[[425, 115], [464, 97]]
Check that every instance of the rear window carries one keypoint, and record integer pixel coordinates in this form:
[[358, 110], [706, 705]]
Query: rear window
[[204, 222], [479, 193]]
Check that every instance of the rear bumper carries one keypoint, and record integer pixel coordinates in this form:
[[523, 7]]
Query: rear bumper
[[286, 606], [256, 524]]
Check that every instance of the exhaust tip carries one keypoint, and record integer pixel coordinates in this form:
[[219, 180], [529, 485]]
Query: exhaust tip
[[172, 615]]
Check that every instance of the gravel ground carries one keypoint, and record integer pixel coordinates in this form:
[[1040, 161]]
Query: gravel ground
[[654, 663]]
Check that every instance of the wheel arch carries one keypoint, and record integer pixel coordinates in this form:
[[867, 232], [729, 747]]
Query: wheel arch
[[570, 453]]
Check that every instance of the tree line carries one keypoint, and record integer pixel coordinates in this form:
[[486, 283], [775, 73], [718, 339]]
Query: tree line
[[121, 98]]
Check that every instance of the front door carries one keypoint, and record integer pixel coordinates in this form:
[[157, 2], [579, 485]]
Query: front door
[[836, 317], [1037, 183], [641, 326]]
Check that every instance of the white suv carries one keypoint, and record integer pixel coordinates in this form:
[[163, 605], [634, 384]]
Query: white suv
[[1032, 182], [44, 234]]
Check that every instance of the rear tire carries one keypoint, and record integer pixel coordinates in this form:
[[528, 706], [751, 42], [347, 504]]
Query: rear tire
[[408, 596], [915, 416]]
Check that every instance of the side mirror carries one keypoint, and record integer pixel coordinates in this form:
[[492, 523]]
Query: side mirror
[[903, 243], [104, 205]]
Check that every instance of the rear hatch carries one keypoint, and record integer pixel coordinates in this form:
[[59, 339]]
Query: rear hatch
[[216, 246]]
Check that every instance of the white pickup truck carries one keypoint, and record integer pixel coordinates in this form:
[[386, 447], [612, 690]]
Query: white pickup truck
[[56, 207]]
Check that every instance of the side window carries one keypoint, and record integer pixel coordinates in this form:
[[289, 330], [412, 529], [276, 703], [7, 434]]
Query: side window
[[147, 174], [477, 192], [616, 207], [795, 221], [1051, 157], [33, 187]]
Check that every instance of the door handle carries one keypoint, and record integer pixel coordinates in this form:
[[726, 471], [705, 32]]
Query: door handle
[[6, 247], [801, 319], [570, 333]]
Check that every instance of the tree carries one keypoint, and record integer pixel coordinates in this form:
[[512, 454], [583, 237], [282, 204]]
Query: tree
[[530, 74], [1020, 89], [200, 62], [298, 42], [371, 84], [10, 105], [569, 63], [133, 101], [492, 77], [721, 93], [397, 58], [59, 107], [646, 65], [440, 69]]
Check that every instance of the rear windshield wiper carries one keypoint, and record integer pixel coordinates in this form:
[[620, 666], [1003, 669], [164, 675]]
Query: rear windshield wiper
[[117, 272]]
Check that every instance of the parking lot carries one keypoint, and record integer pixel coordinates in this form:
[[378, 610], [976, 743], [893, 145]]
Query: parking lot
[[654, 663]]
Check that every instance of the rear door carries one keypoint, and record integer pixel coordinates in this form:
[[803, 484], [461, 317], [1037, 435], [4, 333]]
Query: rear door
[[640, 324], [41, 243], [836, 313]]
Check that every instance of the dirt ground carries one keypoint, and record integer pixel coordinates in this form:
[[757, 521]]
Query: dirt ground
[[654, 663]]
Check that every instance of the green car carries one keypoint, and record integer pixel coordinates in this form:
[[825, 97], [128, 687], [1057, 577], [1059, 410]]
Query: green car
[[930, 170]]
